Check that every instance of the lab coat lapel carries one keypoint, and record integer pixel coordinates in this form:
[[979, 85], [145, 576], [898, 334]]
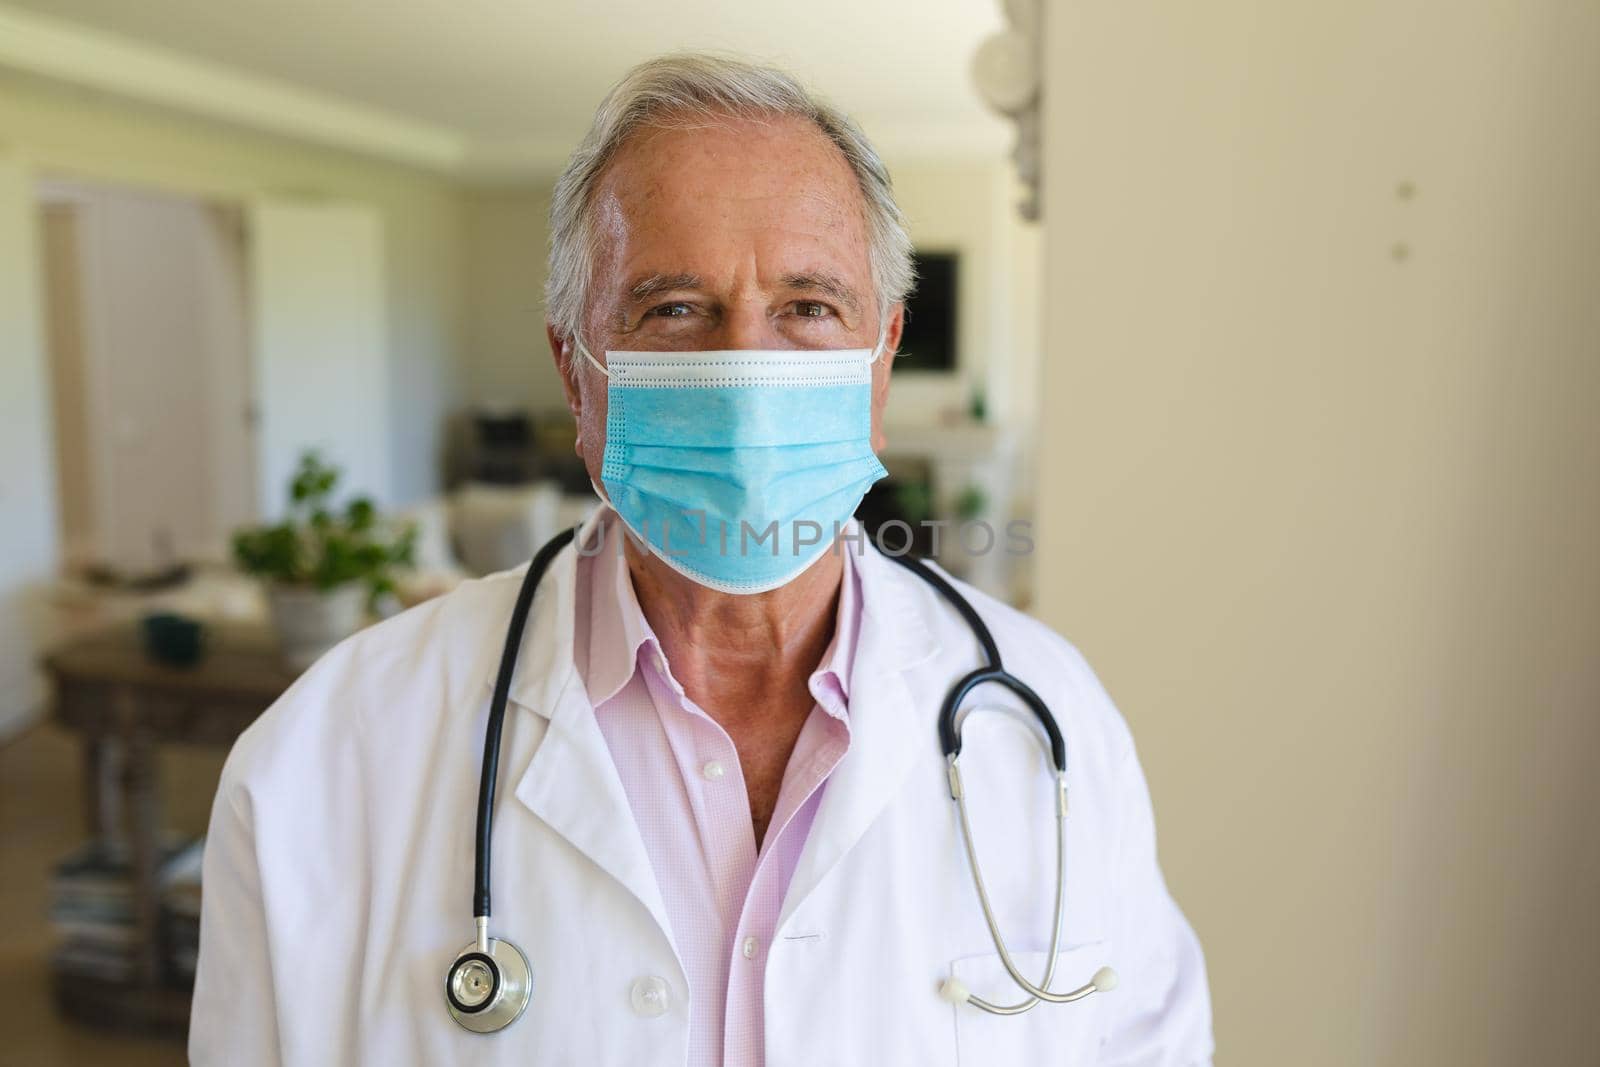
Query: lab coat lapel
[[571, 782], [896, 635]]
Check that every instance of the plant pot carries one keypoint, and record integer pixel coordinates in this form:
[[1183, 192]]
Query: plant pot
[[311, 621]]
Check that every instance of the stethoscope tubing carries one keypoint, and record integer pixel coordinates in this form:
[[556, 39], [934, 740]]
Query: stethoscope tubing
[[1041, 991], [497, 715], [993, 672]]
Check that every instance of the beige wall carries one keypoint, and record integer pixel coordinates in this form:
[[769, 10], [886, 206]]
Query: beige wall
[[81, 134], [507, 238], [1323, 499]]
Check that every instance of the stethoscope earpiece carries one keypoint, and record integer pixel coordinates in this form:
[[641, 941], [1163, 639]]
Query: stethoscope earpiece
[[994, 673]]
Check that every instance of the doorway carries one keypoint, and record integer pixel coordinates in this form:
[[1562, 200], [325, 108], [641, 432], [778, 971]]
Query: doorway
[[147, 340]]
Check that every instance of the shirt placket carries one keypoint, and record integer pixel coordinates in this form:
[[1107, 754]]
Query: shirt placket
[[823, 743], [708, 764]]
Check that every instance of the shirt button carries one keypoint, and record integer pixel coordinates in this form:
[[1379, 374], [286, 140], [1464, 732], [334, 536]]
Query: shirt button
[[650, 996], [712, 770], [750, 946]]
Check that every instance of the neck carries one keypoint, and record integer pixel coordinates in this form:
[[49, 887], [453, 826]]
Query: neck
[[741, 658]]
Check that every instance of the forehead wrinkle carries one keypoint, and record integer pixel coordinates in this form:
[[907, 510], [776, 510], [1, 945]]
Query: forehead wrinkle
[[645, 200], [828, 183]]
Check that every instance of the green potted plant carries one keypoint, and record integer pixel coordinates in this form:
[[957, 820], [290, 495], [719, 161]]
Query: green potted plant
[[324, 565]]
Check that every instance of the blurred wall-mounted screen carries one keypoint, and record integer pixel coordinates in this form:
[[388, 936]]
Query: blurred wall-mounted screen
[[929, 340]]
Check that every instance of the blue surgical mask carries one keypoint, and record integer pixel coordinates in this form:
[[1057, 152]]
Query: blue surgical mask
[[738, 469]]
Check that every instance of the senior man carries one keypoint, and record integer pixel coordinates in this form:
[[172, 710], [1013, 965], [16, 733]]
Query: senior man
[[724, 832]]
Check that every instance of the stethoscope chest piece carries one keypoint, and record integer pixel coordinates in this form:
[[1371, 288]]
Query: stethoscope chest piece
[[488, 990]]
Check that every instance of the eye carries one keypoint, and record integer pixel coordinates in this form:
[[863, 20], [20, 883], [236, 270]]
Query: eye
[[811, 309], [671, 311]]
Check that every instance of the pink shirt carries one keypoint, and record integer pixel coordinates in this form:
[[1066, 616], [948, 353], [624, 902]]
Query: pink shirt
[[683, 779]]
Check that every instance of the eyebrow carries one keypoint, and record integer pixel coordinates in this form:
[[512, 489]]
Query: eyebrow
[[815, 281], [830, 285], [654, 284]]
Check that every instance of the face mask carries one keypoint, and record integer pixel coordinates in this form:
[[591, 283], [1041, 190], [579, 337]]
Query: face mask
[[737, 469]]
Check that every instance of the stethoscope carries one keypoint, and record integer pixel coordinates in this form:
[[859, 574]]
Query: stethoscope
[[489, 985]]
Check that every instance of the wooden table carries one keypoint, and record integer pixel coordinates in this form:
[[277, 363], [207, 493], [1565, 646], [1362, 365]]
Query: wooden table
[[126, 705]]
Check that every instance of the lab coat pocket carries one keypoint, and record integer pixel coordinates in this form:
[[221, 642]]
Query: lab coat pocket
[[1046, 1033]]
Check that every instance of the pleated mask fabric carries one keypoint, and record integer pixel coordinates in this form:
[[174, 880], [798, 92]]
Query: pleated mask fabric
[[738, 468]]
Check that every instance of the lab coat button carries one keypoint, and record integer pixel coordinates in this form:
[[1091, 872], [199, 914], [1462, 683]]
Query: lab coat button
[[651, 996], [750, 946], [712, 770]]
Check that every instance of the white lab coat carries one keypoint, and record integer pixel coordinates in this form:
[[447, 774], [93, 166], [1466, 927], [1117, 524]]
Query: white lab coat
[[338, 870]]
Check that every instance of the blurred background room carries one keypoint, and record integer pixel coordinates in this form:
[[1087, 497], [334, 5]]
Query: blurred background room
[[1277, 323]]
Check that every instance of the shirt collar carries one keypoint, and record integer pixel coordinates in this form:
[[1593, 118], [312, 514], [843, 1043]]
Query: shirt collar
[[616, 627], [616, 630], [830, 683]]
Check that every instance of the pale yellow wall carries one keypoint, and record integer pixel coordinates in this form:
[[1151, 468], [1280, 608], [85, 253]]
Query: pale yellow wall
[[1321, 499], [82, 134]]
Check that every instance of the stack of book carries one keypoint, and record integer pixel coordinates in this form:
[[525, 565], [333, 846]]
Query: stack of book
[[92, 909], [180, 912]]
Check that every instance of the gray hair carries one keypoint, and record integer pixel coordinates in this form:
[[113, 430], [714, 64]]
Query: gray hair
[[689, 89]]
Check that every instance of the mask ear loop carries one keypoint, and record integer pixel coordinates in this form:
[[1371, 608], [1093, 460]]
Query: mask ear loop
[[877, 349], [577, 343]]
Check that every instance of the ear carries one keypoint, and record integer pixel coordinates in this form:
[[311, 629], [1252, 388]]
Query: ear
[[564, 353], [892, 332]]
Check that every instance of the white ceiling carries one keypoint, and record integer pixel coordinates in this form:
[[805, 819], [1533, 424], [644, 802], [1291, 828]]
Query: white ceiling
[[515, 80]]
